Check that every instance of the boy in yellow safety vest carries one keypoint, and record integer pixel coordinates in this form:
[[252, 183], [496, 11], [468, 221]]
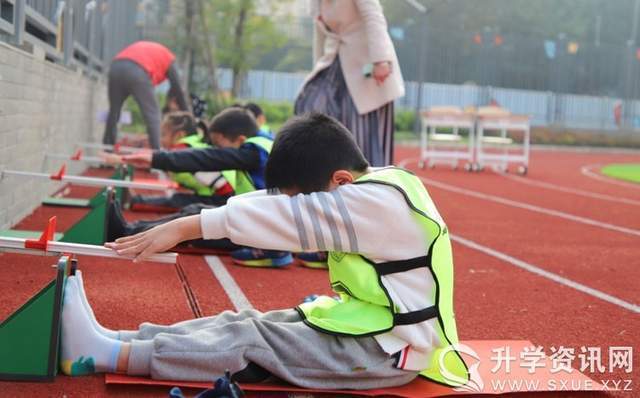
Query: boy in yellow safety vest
[[390, 263], [179, 130]]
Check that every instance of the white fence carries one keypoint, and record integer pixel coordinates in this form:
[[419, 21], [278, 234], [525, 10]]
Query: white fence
[[544, 108]]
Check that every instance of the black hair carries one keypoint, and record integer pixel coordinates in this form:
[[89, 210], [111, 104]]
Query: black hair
[[308, 150], [181, 121], [255, 109], [234, 122]]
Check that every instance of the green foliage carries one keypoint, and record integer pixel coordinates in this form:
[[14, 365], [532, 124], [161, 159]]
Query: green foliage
[[260, 34], [404, 120], [137, 120], [215, 104], [551, 136], [276, 112]]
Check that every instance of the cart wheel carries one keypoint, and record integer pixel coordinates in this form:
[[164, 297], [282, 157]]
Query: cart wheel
[[432, 165], [522, 170], [468, 167]]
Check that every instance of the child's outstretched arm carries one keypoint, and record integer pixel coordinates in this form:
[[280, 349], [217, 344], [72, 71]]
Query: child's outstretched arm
[[194, 160], [158, 239], [370, 219]]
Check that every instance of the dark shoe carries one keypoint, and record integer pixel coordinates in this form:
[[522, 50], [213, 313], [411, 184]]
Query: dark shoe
[[261, 258], [224, 387], [117, 226]]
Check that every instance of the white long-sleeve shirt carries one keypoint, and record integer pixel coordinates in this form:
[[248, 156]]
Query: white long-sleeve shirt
[[373, 220]]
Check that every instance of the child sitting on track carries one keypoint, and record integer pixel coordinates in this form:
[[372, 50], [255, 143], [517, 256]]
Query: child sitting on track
[[180, 131], [390, 262], [241, 157]]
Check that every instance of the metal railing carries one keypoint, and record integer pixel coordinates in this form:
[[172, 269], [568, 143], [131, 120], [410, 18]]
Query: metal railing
[[544, 108], [83, 34]]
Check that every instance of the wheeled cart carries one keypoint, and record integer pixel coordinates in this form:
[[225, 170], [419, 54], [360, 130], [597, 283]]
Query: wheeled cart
[[502, 139], [441, 141]]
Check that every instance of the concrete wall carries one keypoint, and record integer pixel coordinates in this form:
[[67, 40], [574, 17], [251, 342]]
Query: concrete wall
[[44, 108]]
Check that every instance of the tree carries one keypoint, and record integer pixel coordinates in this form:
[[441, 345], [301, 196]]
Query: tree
[[242, 35], [240, 59], [189, 52], [208, 48]]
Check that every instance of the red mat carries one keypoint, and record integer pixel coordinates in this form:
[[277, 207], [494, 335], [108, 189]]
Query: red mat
[[518, 379]]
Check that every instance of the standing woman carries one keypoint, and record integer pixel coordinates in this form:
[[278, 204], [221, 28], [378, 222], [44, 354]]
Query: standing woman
[[135, 71], [356, 75]]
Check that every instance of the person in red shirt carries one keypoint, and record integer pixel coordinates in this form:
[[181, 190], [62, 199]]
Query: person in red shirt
[[135, 71]]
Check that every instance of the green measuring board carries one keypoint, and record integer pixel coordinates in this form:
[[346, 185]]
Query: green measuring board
[[92, 228], [30, 337]]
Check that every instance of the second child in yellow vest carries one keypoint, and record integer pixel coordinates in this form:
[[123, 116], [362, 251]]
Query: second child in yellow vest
[[179, 130], [239, 155]]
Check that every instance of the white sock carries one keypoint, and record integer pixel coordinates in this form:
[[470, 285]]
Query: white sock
[[84, 349], [112, 334]]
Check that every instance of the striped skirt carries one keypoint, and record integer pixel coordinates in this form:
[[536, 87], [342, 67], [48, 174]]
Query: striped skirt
[[327, 93]]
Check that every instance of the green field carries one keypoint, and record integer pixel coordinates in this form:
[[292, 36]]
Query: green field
[[627, 172]]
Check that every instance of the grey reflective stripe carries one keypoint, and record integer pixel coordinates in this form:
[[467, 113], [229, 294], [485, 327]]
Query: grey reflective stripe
[[297, 215], [316, 222], [351, 232], [324, 202]]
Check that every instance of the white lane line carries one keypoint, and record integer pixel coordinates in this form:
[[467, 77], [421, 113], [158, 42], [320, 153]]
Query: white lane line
[[526, 206], [546, 274], [237, 297], [580, 192], [587, 171]]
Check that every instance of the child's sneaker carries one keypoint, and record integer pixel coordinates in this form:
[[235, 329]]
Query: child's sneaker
[[251, 257], [317, 260]]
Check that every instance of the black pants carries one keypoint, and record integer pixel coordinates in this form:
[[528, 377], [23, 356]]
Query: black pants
[[180, 200], [193, 209]]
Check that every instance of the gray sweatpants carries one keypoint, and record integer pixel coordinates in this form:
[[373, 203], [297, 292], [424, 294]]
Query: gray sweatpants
[[278, 341], [128, 78]]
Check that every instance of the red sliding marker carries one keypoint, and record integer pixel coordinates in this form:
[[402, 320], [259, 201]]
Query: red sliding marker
[[46, 244], [47, 235], [77, 155], [58, 176]]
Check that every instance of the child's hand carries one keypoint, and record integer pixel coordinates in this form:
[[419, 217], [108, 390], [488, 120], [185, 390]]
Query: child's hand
[[140, 159], [158, 239], [110, 158]]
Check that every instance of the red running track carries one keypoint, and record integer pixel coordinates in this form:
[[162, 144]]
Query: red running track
[[494, 299]]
